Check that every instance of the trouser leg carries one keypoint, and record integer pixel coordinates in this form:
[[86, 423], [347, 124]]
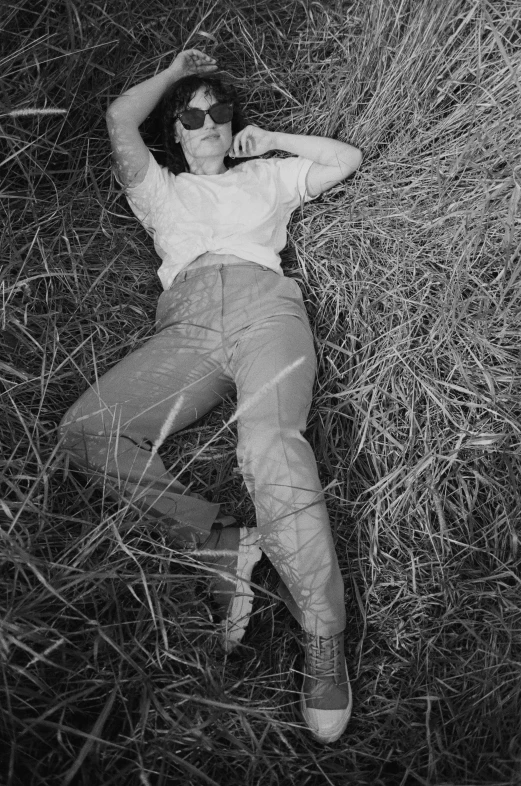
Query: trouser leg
[[280, 470], [113, 429]]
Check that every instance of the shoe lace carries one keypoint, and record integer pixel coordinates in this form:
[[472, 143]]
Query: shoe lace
[[323, 656]]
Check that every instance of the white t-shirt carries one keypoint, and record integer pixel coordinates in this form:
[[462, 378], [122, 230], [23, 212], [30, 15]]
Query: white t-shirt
[[244, 211]]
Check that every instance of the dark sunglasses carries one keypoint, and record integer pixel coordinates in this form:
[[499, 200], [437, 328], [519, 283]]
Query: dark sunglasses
[[193, 118]]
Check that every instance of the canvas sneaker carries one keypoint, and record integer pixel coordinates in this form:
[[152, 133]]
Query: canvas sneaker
[[326, 699]]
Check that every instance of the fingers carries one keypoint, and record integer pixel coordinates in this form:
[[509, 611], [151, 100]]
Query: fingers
[[251, 141], [201, 59], [244, 144], [193, 61], [197, 53]]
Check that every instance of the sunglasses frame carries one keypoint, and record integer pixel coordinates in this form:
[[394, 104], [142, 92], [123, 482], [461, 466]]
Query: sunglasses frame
[[205, 112]]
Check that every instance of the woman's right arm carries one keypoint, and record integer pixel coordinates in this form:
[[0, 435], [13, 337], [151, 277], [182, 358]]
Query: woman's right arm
[[126, 113]]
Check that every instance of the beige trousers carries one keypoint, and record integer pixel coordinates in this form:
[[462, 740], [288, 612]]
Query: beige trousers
[[222, 328]]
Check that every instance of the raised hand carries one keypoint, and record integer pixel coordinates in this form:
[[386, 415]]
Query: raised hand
[[252, 141], [192, 61]]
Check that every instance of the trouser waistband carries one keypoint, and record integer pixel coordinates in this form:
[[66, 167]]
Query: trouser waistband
[[190, 271]]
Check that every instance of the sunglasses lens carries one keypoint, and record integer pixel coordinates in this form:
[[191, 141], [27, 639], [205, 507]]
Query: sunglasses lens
[[192, 119], [221, 113]]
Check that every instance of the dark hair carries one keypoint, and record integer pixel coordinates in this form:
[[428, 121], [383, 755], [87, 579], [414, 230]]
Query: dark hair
[[177, 98]]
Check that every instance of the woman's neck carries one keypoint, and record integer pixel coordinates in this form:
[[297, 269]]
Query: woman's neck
[[207, 166]]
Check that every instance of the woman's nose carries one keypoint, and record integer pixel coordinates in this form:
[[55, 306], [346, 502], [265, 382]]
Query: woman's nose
[[208, 122]]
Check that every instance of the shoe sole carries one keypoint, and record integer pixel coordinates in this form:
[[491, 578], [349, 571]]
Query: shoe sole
[[234, 626], [315, 718]]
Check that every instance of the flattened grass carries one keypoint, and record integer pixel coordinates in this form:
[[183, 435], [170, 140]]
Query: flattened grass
[[111, 669]]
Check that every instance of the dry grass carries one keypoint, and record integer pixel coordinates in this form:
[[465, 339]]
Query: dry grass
[[111, 671]]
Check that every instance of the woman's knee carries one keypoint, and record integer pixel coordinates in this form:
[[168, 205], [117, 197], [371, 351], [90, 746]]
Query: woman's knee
[[85, 415], [273, 444], [68, 424]]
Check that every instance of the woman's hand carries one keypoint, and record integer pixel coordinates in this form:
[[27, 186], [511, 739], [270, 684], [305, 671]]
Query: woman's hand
[[192, 61], [252, 141]]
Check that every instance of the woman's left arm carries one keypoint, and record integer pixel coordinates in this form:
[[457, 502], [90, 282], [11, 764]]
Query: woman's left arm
[[333, 161]]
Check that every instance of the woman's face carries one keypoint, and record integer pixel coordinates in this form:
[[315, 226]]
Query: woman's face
[[212, 141]]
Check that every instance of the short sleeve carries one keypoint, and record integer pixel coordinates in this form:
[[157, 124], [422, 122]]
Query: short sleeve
[[147, 197], [292, 173]]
